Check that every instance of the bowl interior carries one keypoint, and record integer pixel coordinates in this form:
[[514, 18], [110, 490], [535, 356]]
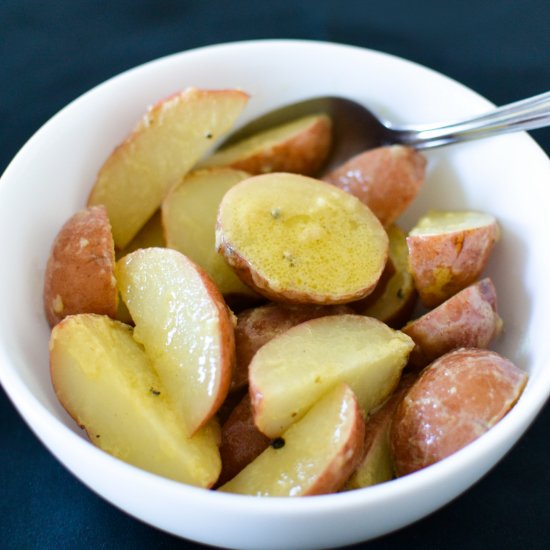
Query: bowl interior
[[52, 175]]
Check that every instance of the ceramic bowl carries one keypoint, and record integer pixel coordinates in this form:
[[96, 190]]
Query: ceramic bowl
[[52, 175]]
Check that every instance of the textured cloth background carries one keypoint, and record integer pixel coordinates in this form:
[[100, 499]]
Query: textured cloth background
[[53, 51]]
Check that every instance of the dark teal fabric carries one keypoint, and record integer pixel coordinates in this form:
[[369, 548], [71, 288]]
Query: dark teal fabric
[[53, 51]]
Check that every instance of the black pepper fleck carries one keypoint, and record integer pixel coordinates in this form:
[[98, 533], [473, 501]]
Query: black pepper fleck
[[400, 294], [154, 392], [278, 443]]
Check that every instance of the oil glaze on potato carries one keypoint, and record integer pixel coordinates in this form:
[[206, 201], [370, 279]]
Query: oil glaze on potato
[[468, 319], [314, 456], [300, 240], [257, 326], [107, 383], [300, 146], [386, 179], [293, 370], [456, 399], [80, 274], [184, 326], [163, 147], [395, 302], [189, 218], [448, 251], [242, 442]]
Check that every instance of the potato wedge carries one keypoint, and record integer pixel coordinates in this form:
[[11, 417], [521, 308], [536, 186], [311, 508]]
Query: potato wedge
[[376, 464], [257, 326], [189, 218], [300, 240], [242, 442], [300, 146], [448, 252], [151, 235], [456, 399], [292, 371], [469, 319], [386, 179], [106, 382], [80, 273], [185, 327], [166, 143], [395, 302], [313, 457]]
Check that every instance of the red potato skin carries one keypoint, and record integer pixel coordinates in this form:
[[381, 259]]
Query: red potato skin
[[80, 273], [303, 154], [347, 459], [444, 264], [386, 179], [241, 442], [256, 327], [469, 319], [455, 400]]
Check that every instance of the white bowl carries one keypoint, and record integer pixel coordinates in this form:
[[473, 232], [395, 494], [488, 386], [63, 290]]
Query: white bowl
[[51, 177]]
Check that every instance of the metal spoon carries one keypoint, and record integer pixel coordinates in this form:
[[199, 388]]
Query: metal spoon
[[357, 129]]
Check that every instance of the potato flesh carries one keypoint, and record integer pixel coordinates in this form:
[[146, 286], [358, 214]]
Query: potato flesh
[[180, 326], [189, 217], [317, 454], [302, 240], [168, 141], [106, 382], [292, 371], [436, 221]]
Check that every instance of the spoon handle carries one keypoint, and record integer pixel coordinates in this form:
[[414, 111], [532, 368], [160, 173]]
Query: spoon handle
[[527, 114]]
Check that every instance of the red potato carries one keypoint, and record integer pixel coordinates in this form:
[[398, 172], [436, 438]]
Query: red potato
[[299, 240], [80, 274], [256, 327], [185, 328], [456, 399], [300, 146], [469, 319], [172, 136], [393, 301], [314, 456], [242, 442], [386, 179], [448, 252], [376, 464]]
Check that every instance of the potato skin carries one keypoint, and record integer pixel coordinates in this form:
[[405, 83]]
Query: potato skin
[[386, 179], [242, 442], [455, 400], [469, 319], [256, 327], [443, 264], [80, 273]]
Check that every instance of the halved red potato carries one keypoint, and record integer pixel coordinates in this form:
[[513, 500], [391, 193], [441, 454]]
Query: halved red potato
[[292, 371], [80, 273], [167, 142], [300, 146], [257, 326], [395, 302], [189, 214], [386, 179], [469, 319], [107, 383], [456, 399], [314, 456], [242, 442], [185, 327], [448, 252], [300, 240], [376, 464]]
